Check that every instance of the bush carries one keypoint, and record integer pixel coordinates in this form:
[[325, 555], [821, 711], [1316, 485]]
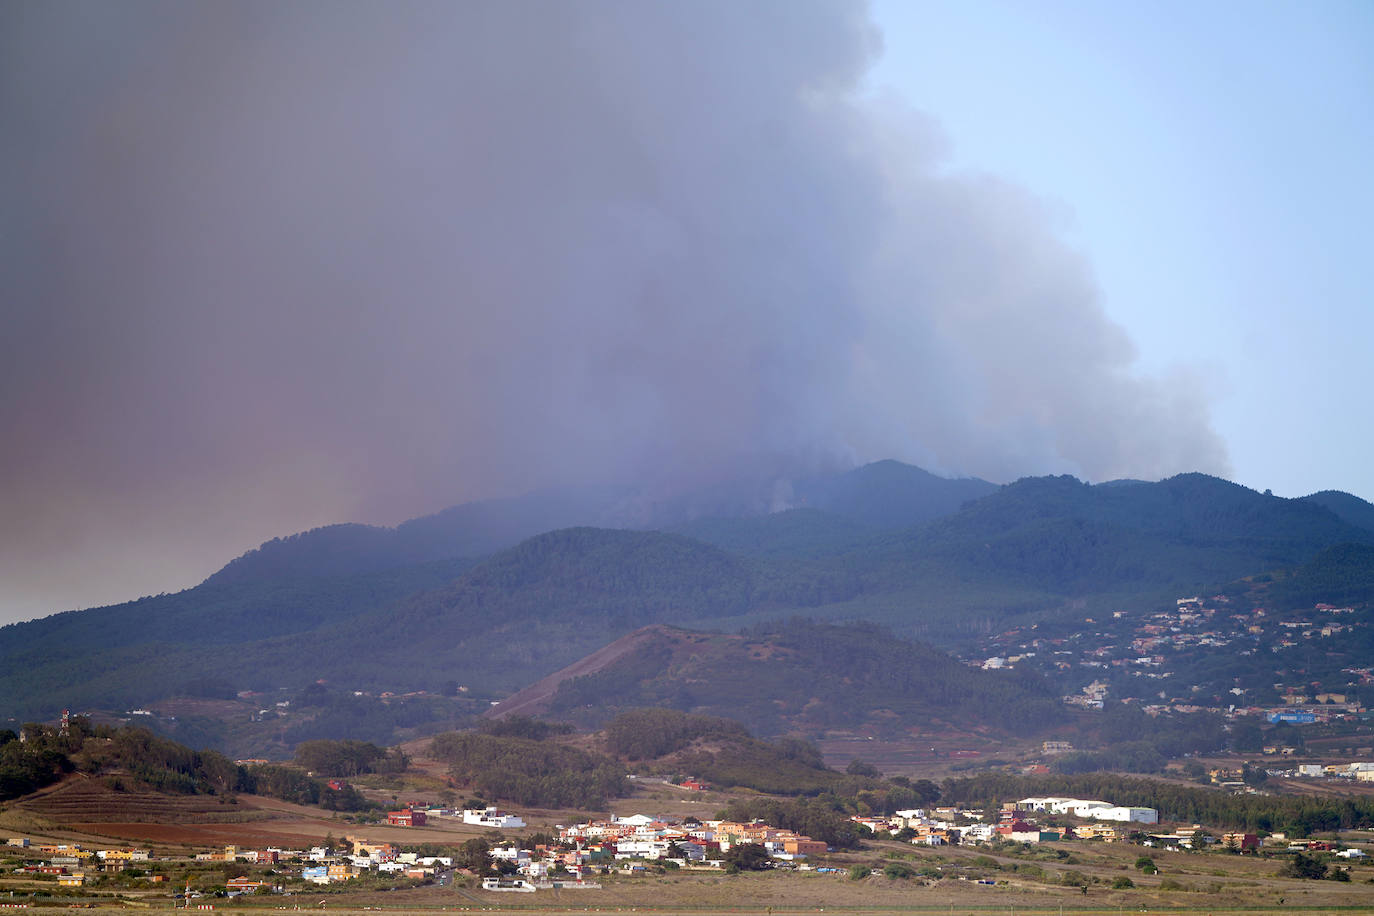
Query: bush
[[898, 871], [1304, 866], [1122, 883]]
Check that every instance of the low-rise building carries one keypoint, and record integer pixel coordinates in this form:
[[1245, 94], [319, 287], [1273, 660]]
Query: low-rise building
[[250, 886], [492, 817]]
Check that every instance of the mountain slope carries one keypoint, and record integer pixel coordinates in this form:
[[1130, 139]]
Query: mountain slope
[[802, 676], [470, 530], [1350, 509], [1041, 546], [889, 494], [886, 494], [1069, 538]]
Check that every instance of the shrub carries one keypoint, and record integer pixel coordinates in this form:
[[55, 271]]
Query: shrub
[[898, 871]]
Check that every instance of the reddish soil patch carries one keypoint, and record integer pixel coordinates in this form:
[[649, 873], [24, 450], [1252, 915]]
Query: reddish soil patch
[[199, 834], [91, 806], [535, 698], [92, 800]]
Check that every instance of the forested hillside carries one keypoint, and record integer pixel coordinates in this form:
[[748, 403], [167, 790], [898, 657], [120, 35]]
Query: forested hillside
[[1348, 508], [804, 677], [1342, 575], [199, 642], [284, 616], [134, 757]]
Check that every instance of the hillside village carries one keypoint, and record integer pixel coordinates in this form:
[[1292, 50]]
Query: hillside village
[[1156, 660]]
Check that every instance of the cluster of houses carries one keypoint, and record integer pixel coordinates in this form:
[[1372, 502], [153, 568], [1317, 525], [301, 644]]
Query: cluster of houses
[[415, 816], [689, 842], [624, 844], [1360, 771], [326, 865], [1142, 646], [629, 844], [72, 864], [1015, 822]]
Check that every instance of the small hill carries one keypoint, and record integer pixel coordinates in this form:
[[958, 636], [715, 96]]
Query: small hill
[[535, 699], [470, 530], [806, 677], [889, 494], [1350, 509], [720, 751]]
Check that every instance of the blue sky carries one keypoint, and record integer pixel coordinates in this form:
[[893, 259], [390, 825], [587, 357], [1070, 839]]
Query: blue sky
[[1213, 163]]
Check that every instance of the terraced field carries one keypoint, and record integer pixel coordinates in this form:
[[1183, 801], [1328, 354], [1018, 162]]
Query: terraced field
[[93, 800], [82, 807]]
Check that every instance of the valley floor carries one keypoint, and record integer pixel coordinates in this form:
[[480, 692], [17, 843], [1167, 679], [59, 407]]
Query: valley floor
[[1045, 878]]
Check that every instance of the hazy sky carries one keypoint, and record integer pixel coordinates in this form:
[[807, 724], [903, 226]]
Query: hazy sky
[[271, 265]]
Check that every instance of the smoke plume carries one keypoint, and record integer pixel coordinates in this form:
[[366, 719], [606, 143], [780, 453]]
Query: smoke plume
[[270, 266]]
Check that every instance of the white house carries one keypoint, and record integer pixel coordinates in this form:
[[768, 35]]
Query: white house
[[977, 833], [1125, 813], [1090, 808], [491, 817]]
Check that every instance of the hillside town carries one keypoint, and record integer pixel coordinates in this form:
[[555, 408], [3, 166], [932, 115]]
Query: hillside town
[[1152, 659]]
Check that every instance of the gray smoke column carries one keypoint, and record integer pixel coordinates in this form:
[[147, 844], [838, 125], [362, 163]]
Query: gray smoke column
[[273, 265]]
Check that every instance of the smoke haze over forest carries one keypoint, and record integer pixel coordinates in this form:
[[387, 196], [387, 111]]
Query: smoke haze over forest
[[270, 266]]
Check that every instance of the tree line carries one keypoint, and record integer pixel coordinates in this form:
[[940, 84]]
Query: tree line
[[527, 772]]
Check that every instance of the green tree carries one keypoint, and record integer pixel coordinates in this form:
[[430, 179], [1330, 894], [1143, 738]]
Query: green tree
[[859, 767], [747, 857], [1304, 866], [474, 854]]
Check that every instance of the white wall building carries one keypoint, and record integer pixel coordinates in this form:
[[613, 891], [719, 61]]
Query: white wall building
[[491, 817], [1090, 808]]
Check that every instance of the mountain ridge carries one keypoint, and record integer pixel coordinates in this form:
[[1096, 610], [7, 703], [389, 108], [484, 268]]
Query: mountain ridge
[[1039, 546]]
